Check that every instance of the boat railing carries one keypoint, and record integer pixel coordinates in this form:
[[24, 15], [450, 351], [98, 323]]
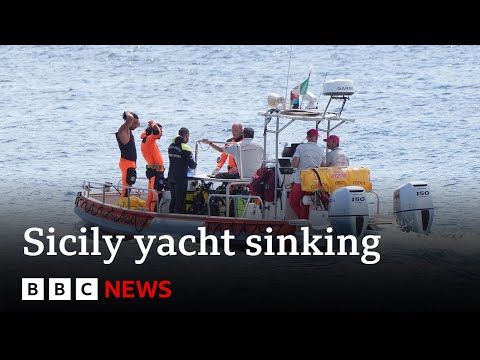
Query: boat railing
[[227, 191], [106, 188], [247, 198]]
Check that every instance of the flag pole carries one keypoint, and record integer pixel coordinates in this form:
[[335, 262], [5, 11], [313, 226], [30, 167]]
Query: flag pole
[[288, 74], [308, 81]]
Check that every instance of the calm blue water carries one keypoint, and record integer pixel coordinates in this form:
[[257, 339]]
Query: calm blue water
[[416, 110]]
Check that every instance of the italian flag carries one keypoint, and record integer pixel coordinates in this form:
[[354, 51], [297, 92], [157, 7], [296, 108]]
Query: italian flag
[[299, 90], [304, 86]]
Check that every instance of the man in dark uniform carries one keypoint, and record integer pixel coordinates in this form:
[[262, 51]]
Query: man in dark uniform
[[181, 158], [128, 151]]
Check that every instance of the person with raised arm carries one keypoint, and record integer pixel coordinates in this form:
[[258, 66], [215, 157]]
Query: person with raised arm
[[155, 165], [128, 151]]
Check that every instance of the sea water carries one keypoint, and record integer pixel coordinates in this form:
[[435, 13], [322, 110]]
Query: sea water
[[416, 118]]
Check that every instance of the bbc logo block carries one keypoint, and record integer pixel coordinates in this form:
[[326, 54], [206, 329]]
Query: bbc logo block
[[59, 289], [32, 289], [86, 289]]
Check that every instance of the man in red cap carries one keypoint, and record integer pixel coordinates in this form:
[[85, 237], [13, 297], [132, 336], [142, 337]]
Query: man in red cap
[[336, 156], [307, 155]]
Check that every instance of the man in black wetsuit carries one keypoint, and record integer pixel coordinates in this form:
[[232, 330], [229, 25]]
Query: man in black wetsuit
[[128, 151]]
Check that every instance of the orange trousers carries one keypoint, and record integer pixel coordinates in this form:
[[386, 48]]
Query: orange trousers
[[151, 202], [124, 164]]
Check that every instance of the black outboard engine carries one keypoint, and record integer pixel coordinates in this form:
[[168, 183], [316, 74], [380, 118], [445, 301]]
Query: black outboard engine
[[413, 207], [348, 211]]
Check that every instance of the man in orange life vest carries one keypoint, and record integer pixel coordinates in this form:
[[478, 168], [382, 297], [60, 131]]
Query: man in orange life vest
[[155, 164], [237, 133], [128, 151]]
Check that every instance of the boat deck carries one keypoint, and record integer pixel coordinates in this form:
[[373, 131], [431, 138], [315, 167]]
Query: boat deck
[[112, 196]]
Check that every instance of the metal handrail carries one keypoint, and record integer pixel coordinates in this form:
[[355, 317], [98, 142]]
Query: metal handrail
[[106, 185], [227, 192]]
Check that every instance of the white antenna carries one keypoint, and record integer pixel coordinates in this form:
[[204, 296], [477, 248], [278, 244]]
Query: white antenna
[[324, 78], [288, 74]]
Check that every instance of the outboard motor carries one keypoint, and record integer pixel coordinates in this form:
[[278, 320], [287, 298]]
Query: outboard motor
[[348, 211], [413, 207]]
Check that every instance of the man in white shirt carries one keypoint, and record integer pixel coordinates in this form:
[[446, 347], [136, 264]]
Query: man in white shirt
[[307, 155], [336, 156], [251, 153]]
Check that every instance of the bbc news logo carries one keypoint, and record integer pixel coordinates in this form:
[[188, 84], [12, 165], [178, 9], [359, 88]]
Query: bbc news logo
[[60, 289], [87, 289]]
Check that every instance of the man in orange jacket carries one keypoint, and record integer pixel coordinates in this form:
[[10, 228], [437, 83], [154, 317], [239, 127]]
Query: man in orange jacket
[[237, 130], [155, 164]]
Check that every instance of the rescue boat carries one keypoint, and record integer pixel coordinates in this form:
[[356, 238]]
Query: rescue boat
[[220, 204]]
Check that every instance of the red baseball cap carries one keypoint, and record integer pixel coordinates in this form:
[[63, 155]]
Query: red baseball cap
[[312, 132], [333, 138]]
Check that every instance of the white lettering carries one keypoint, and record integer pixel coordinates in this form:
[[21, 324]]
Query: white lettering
[[343, 239], [310, 244], [62, 248], [144, 248], [203, 243], [112, 248], [226, 237], [33, 241], [329, 239], [96, 241], [51, 242], [366, 252], [282, 244], [257, 247], [269, 240], [169, 245], [181, 245]]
